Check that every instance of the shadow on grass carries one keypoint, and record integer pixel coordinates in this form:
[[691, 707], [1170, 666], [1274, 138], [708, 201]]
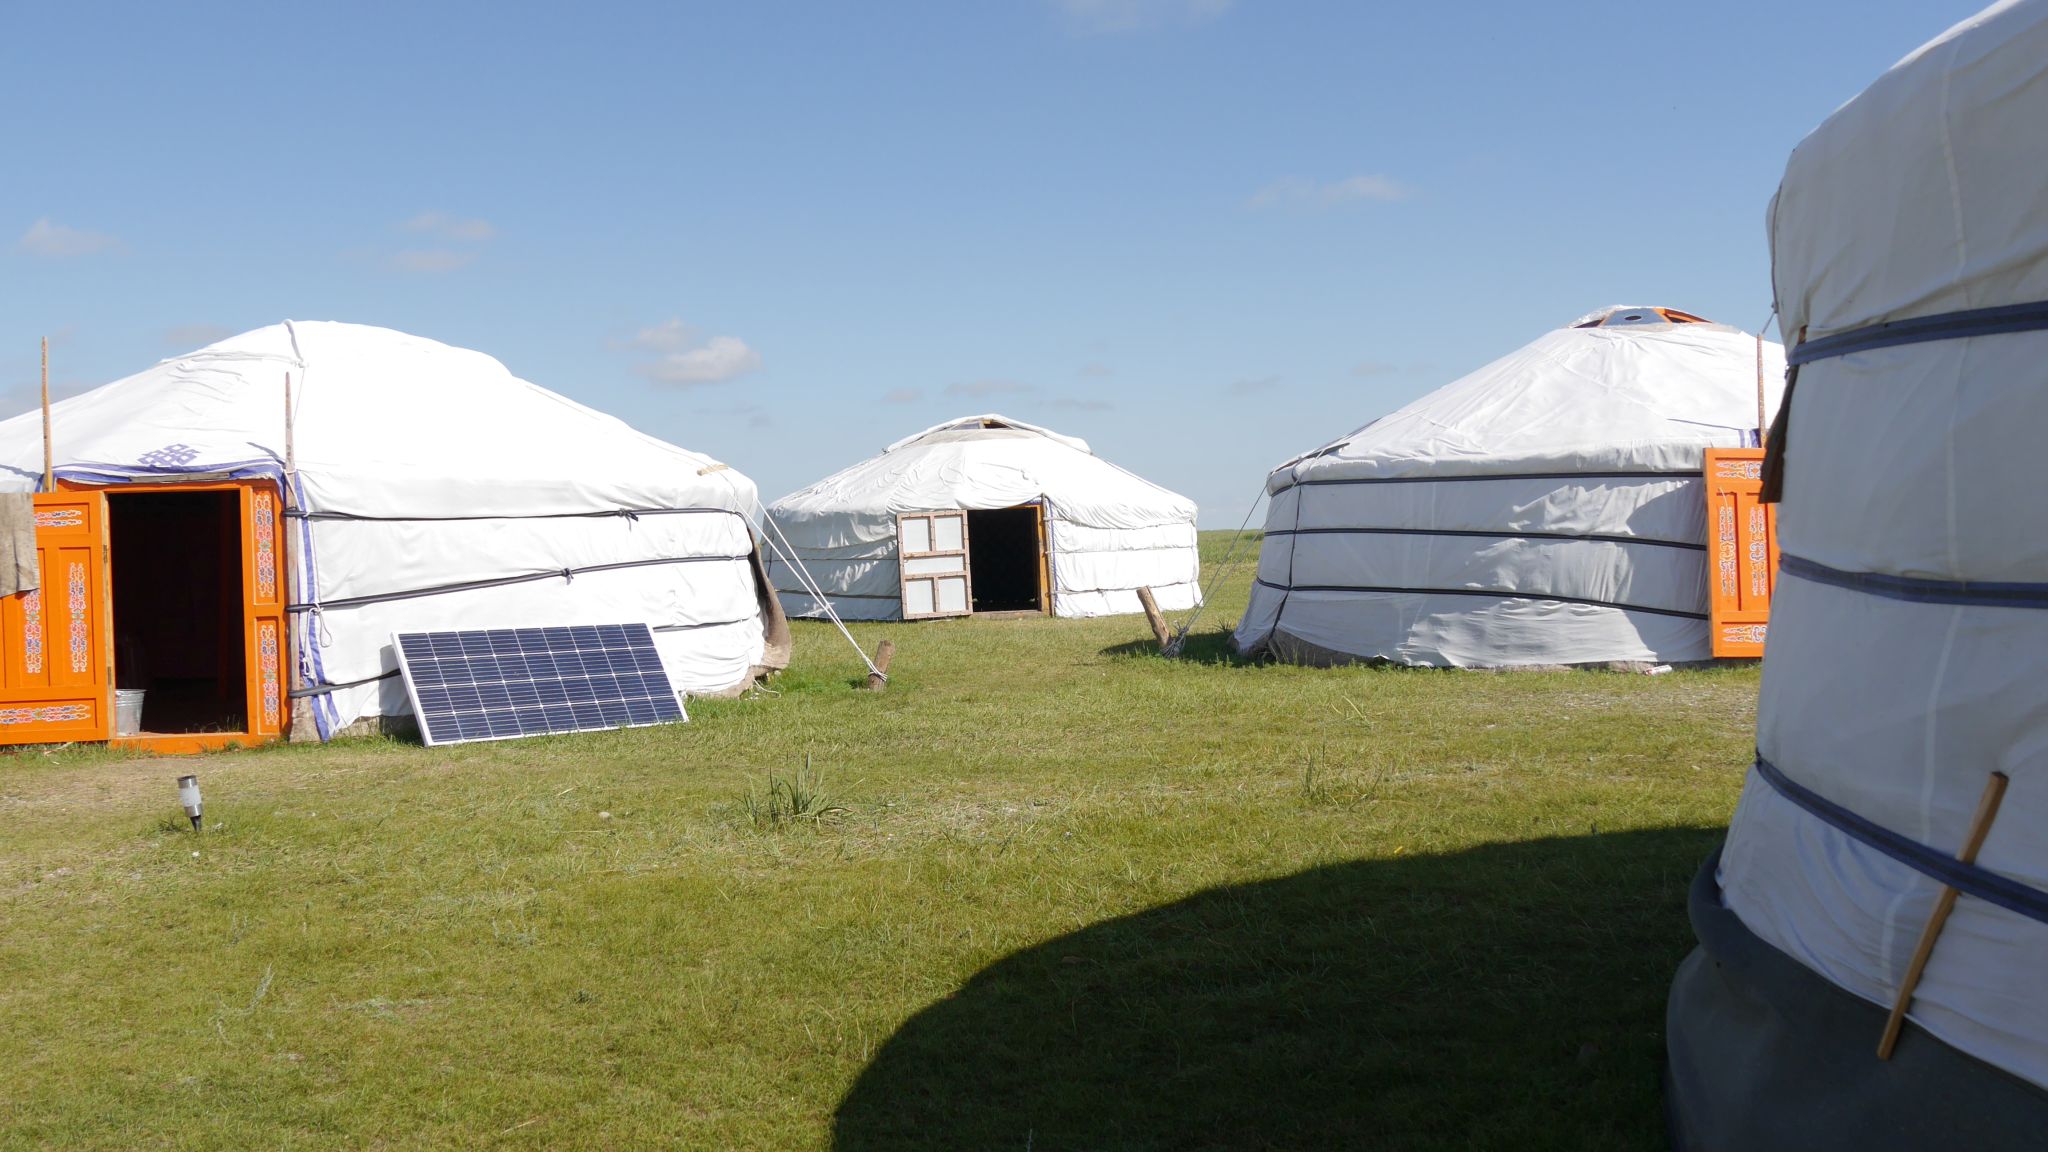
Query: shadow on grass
[[1198, 648], [1510, 996]]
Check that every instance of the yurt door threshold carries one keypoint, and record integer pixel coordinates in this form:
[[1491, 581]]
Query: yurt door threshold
[[159, 623]]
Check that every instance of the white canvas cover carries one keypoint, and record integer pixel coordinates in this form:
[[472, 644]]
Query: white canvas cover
[[1546, 509], [1109, 532], [1924, 195], [423, 466]]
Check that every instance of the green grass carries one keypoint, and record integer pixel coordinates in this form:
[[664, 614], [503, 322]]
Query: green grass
[[1048, 891]]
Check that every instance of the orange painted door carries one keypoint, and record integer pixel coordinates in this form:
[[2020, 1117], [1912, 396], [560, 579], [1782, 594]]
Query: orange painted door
[[263, 591], [1742, 550], [57, 684]]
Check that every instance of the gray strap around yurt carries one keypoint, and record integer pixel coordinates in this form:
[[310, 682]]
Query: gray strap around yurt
[[1765, 1055]]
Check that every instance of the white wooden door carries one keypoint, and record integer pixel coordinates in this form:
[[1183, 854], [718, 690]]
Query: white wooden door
[[931, 552]]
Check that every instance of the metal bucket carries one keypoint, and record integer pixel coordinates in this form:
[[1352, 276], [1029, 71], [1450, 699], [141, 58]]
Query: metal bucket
[[127, 711]]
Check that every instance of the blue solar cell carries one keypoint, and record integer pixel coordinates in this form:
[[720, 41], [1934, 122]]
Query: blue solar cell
[[508, 682]]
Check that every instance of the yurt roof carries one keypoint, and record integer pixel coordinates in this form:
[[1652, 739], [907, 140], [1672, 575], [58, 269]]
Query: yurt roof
[[988, 426], [990, 461], [385, 423], [1621, 389]]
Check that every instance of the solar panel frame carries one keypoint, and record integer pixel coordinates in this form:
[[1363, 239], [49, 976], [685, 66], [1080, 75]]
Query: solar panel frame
[[476, 685]]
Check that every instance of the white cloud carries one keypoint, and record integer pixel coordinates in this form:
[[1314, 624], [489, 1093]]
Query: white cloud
[[985, 388], [54, 241], [1296, 192], [431, 261], [1252, 384], [451, 227], [1367, 369], [190, 336], [1105, 17], [1097, 369], [1083, 404], [719, 358], [667, 336], [902, 396]]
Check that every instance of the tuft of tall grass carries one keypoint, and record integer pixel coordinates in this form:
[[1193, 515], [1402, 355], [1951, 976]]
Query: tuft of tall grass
[[791, 800]]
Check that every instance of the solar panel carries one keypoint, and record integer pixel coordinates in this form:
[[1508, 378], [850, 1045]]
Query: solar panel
[[510, 682]]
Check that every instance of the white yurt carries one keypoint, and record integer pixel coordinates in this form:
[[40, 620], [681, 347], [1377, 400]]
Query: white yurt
[[1549, 508], [417, 486], [984, 514], [1908, 654]]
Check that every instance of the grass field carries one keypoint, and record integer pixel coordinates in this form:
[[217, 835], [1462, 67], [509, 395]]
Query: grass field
[[1058, 894]]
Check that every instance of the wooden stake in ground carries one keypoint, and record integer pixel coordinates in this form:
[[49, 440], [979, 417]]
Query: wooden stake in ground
[[1980, 827], [879, 678], [1152, 617], [49, 453]]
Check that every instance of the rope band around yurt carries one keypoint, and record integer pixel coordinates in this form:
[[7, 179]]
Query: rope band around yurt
[[1995, 321], [1972, 879], [503, 581], [1491, 593], [1471, 477], [1493, 534], [608, 513], [1962, 876], [1919, 589]]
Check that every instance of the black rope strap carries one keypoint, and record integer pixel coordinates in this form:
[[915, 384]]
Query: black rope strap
[[1638, 474], [1490, 593], [1974, 879], [1601, 537], [625, 513], [1996, 321], [1919, 589], [503, 581]]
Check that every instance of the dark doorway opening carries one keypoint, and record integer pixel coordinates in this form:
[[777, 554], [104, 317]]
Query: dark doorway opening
[[1004, 559], [176, 569]]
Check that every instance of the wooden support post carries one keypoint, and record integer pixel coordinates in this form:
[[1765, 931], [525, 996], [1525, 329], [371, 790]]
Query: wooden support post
[[879, 678], [49, 451], [1763, 426], [1980, 827], [291, 458], [1152, 617]]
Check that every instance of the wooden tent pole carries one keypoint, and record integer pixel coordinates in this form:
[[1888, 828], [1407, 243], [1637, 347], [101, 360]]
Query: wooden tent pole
[[1980, 827], [291, 464], [49, 453], [1762, 426]]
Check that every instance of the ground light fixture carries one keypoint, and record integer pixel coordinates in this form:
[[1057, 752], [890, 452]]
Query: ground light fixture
[[188, 795]]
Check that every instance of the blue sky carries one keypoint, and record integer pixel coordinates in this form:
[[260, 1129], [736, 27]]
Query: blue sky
[[1203, 234]]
